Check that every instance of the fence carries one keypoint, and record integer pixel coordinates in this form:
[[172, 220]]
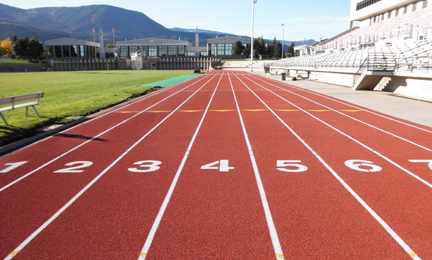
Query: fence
[[84, 64]]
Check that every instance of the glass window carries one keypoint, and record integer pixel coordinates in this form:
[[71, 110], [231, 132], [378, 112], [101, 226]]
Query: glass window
[[414, 7], [389, 15], [152, 51], [123, 51], [82, 54], [204, 54], [425, 3], [74, 51], [172, 51], [181, 50], [228, 49], [191, 54], [213, 50], [405, 9], [162, 51], [220, 50], [131, 50]]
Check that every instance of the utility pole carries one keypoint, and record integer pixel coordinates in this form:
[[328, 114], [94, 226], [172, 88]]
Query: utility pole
[[283, 39], [252, 38]]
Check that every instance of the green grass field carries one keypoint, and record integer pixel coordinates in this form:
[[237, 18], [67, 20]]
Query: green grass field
[[15, 61], [69, 94]]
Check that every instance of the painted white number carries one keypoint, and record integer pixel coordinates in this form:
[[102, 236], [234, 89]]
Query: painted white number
[[293, 164], [84, 164], [423, 161], [356, 164], [151, 165], [223, 166], [12, 166]]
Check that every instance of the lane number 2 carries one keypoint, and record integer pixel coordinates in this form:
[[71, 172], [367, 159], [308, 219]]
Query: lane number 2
[[75, 169], [223, 166]]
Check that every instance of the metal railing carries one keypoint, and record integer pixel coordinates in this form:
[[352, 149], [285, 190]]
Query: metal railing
[[376, 61]]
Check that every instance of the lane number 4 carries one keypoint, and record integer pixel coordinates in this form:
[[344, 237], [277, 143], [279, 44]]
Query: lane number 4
[[223, 166]]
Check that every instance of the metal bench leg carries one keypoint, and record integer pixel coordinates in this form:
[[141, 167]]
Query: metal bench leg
[[26, 111], [36, 111], [4, 119]]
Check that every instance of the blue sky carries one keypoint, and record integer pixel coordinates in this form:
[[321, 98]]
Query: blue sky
[[310, 19]]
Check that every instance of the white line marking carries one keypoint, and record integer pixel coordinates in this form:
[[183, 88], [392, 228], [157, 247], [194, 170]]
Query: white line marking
[[353, 193], [49, 221], [338, 101], [406, 140], [76, 147], [167, 199], [139, 99], [351, 138], [271, 226]]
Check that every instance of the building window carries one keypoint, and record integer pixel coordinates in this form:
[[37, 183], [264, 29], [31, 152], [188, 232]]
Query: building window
[[414, 7], [389, 15], [425, 3], [131, 50], [228, 49], [220, 50], [204, 54], [123, 51], [162, 51], [382, 17], [82, 53], [213, 50], [191, 54], [397, 12], [172, 51], [405, 9], [152, 51], [181, 50]]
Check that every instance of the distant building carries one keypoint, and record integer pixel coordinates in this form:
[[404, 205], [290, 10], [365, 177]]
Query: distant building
[[221, 47], [65, 48], [152, 47]]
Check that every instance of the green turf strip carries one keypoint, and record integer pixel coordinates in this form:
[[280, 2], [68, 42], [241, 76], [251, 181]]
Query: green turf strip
[[170, 82]]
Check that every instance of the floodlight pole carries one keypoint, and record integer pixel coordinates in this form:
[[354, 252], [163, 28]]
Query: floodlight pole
[[252, 38], [283, 40]]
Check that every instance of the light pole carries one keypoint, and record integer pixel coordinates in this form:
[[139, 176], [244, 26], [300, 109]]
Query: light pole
[[252, 38], [283, 39]]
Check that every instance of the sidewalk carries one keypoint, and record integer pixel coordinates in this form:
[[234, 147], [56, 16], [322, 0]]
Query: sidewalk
[[410, 109]]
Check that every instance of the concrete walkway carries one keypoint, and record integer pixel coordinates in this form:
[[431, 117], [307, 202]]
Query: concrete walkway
[[413, 110]]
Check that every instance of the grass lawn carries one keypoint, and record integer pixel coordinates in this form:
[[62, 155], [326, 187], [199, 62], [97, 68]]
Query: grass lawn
[[69, 94], [14, 61]]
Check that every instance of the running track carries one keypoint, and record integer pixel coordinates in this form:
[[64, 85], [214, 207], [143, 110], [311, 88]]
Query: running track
[[224, 166]]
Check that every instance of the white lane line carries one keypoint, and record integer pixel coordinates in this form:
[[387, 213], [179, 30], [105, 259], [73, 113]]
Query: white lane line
[[351, 138], [150, 237], [100, 116], [353, 106], [355, 119], [49, 221], [271, 226], [76, 147], [353, 193]]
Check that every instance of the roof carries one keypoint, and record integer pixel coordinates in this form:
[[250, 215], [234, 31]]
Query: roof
[[68, 41], [153, 41], [228, 40]]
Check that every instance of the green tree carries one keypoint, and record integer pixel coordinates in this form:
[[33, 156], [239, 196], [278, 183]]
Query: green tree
[[238, 48], [291, 51], [20, 47], [110, 46], [277, 52], [35, 49], [261, 46], [14, 38], [269, 49], [247, 50]]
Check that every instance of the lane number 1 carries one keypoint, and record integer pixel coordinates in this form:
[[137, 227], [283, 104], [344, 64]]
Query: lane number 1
[[12, 166]]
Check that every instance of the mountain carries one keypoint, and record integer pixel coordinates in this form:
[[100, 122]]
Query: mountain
[[78, 22]]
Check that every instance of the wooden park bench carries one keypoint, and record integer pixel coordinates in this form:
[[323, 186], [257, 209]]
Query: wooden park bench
[[20, 99]]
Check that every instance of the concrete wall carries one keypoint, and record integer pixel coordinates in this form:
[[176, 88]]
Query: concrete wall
[[12, 67], [410, 86], [333, 78]]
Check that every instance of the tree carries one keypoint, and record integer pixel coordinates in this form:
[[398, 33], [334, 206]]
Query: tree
[[6, 48], [14, 39], [269, 49], [261, 46], [28, 49], [19, 48], [110, 46], [291, 51], [247, 50], [238, 48], [277, 52]]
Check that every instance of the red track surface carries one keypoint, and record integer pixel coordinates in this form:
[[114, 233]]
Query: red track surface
[[332, 209]]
